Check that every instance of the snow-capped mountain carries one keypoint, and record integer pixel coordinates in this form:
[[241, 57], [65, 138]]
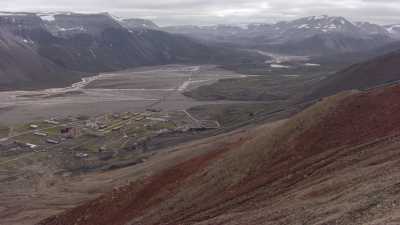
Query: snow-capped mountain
[[69, 24], [306, 26], [319, 24], [313, 24]]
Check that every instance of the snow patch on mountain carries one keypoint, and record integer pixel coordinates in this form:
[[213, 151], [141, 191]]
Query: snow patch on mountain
[[304, 26], [49, 18], [312, 64], [279, 66], [80, 28], [119, 19], [393, 28], [321, 17]]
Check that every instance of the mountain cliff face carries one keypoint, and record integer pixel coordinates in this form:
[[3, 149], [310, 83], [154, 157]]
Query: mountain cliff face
[[21, 66], [334, 163]]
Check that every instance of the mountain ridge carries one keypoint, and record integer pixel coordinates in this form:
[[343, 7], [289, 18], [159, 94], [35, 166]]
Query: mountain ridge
[[278, 36]]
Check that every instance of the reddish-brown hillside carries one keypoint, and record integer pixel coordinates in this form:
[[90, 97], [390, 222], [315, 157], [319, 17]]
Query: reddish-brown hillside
[[335, 163]]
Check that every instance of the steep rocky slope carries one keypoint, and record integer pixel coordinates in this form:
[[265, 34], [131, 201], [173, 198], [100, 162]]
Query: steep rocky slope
[[334, 163], [98, 42], [22, 67]]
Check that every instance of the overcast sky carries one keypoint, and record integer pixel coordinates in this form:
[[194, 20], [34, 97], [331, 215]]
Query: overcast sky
[[203, 12]]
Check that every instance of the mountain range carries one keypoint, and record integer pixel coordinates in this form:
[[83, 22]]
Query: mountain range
[[42, 50], [55, 49], [334, 163], [315, 35]]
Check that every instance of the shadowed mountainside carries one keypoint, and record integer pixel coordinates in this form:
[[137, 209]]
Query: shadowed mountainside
[[21, 66], [374, 72]]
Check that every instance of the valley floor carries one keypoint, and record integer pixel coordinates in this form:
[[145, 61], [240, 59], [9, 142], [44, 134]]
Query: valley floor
[[132, 90], [143, 111], [33, 187]]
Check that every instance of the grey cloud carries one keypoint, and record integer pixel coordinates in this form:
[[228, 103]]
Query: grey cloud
[[167, 12]]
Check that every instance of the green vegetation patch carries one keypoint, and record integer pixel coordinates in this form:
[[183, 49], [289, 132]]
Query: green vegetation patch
[[4, 131], [231, 114]]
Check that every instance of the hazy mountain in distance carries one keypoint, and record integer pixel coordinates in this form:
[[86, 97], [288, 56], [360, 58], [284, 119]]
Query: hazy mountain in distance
[[370, 28], [315, 35], [139, 24]]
